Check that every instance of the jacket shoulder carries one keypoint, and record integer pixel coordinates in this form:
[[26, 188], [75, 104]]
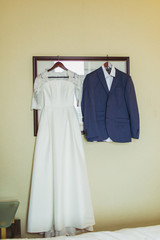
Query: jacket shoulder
[[123, 77], [91, 78], [92, 74], [122, 74]]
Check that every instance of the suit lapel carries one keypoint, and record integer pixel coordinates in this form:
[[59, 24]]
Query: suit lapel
[[115, 81], [102, 79]]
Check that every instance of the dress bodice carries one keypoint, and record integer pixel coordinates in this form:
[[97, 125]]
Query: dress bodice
[[56, 92]]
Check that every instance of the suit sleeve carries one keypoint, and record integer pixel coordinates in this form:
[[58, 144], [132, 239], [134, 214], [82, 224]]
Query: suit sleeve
[[88, 111], [132, 107]]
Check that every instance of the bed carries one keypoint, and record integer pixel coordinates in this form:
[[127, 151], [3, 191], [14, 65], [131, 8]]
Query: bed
[[139, 233]]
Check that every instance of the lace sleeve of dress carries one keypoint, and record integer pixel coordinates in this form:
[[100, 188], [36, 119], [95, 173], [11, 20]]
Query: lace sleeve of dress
[[78, 81], [37, 99]]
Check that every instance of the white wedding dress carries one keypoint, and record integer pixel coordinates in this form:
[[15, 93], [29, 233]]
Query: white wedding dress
[[60, 199]]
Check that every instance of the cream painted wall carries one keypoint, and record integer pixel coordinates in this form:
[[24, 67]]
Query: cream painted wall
[[124, 178]]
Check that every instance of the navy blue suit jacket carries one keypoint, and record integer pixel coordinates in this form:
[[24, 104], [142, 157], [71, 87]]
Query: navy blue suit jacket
[[111, 113]]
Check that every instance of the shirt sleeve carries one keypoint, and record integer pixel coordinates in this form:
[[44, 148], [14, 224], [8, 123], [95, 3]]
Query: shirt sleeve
[[78, 89], [37, 99]]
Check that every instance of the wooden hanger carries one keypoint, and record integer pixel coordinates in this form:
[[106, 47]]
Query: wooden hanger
[[58, 64], [106, 65]]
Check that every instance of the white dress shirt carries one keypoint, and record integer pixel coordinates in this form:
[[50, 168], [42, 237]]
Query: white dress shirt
[[109, 80], [109, 77]]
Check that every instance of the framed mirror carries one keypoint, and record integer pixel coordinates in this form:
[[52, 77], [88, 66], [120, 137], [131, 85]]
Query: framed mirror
[[80, 65]]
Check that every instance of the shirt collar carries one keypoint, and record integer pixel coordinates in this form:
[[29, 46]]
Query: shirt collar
[[112, 73]]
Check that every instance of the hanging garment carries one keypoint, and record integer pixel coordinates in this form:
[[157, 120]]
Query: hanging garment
[[110, 113], [60, 196]]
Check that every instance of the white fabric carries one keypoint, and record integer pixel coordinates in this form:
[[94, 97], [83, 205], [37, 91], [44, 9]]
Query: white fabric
[[109, 77], [143, 233], [60, 196]]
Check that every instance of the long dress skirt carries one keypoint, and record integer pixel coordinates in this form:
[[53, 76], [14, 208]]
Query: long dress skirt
[[60, 195]]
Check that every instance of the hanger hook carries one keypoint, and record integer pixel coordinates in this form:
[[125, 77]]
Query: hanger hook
[[107, 57], [58, 57]]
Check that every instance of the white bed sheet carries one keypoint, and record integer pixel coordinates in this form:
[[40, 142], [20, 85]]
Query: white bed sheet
[[142, 233]]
